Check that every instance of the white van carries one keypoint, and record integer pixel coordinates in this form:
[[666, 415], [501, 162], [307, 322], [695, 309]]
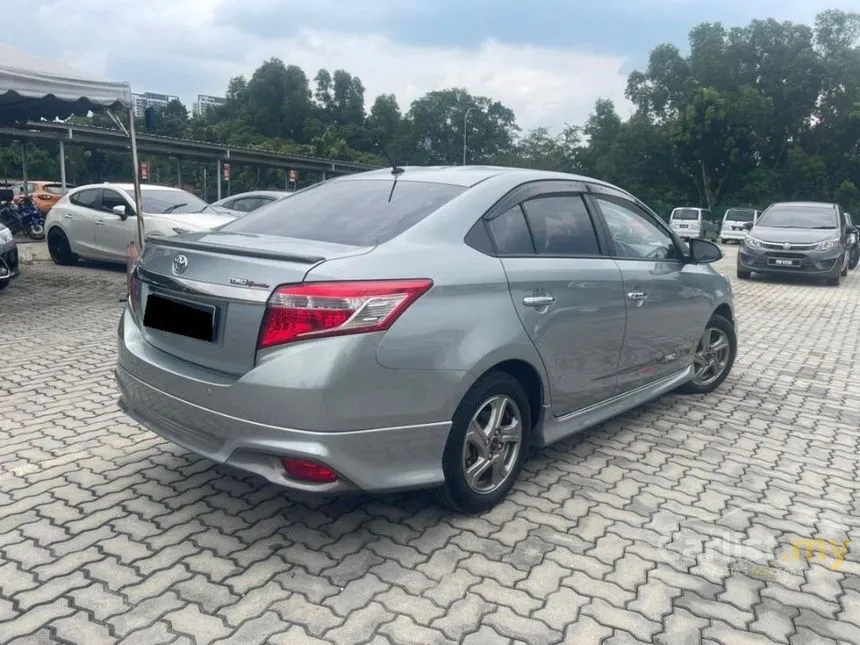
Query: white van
[[734, 221], [688, 223]]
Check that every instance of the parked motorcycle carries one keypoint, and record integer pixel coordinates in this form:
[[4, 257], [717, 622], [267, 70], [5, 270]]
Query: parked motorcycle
[[22, 219]]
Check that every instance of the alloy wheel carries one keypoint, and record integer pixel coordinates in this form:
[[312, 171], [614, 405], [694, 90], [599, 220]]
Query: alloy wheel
[[492, 444], [712, 356]]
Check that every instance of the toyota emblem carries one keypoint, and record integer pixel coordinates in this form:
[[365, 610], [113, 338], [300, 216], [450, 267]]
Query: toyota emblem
[[180, 263], [786, 246]]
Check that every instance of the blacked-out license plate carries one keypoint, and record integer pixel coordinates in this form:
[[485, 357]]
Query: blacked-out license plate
[[182, 318]]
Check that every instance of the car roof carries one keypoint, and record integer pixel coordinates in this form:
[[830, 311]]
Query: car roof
[[255, 193], [468, 176], [127, 187]]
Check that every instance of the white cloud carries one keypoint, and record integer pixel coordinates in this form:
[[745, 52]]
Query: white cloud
[[181, 47]]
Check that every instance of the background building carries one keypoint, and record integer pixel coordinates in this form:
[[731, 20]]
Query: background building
[[206, 102], [150, 99]]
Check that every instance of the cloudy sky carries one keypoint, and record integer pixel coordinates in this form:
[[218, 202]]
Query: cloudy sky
[[549, 61]]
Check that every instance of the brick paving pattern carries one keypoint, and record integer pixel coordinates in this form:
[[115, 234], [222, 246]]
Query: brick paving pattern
[[681, 522]]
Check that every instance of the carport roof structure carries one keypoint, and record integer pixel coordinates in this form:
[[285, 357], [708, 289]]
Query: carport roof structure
[[34, 88]]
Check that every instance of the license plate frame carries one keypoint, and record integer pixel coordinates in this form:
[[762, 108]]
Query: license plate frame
[[180, 317], [784, 262]]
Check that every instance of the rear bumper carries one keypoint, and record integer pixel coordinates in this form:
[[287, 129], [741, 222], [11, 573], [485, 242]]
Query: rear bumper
[[234, 423], [732, 235], [379, 460]]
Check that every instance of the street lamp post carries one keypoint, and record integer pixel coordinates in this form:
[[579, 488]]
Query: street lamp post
[[465, 116]]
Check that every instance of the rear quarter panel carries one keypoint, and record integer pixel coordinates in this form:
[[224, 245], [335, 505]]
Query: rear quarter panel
[[466, 322]]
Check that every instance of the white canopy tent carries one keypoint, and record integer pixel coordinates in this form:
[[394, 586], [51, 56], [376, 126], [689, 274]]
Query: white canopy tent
[[34, 88]]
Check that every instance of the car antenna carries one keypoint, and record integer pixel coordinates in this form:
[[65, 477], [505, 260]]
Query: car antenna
[[395, 169]]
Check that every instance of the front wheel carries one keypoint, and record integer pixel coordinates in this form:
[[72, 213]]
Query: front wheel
[[487, 445], [36, 231], [743, 274], [60, 249], [714, 358]]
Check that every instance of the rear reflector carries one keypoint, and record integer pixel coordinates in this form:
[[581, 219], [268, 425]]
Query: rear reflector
[[313, 310], [308, 471]]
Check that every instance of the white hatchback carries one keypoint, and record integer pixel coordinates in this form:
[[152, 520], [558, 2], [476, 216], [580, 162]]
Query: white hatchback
[[98, 221]]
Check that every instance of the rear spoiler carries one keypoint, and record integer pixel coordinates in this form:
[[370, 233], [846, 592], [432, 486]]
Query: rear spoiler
[[232, 250]]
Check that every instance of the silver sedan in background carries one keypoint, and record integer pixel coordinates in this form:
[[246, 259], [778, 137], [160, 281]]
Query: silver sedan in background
[[418, 328], [243, 203]]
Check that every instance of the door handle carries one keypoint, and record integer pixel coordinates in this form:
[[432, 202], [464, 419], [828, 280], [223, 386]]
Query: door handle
[[67, 216], [100, 222], [538, 301], [637, 295]]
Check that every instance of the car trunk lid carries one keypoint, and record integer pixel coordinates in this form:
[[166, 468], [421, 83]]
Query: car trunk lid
[[202, 297]]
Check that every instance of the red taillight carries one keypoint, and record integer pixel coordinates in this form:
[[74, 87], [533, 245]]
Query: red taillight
[[336, 308], [308, 471]]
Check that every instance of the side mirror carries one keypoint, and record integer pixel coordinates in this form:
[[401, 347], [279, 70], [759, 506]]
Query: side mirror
[[121, 211], [704, 252], [748, 225]]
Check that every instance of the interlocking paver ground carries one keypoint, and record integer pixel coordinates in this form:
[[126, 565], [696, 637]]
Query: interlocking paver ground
[[671, 524]]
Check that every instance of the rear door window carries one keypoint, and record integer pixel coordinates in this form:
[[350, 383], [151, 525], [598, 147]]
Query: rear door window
[[561, 225], [510, 233], [90, 198], [355, 212]]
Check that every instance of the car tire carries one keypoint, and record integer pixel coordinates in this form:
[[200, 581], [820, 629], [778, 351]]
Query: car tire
[[834, 282], [4, 284], [477, 405], [854, 258], [743, 274], [60, 249], [722, 328]]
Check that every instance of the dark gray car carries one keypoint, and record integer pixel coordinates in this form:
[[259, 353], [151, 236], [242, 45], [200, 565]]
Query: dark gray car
[[419, 328], [810, 238]]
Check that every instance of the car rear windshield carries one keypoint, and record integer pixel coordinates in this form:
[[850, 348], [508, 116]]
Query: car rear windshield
[[799, 217], [685, 213], [57, 189], [355, 212], [740, 215]]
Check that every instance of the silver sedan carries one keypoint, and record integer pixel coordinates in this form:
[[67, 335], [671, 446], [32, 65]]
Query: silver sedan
[[418, 328]]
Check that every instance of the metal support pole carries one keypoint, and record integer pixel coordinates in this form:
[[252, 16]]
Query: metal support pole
[[178, 172], [138, 196], [63, 163], [218, 181], [205, 186], [24, 167]]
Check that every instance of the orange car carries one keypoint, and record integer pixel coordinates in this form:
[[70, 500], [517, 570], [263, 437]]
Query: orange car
[[44, 193]]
